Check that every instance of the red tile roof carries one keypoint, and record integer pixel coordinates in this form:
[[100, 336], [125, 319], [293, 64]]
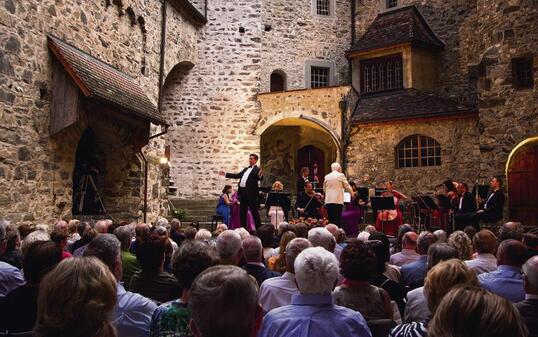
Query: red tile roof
[[99, 80], [395, 27]]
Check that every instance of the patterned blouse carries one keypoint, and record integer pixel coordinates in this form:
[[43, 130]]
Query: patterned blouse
[[171, 319], [413, 329]]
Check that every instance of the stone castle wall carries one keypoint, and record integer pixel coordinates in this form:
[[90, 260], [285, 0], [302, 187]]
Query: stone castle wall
[[35, 169]]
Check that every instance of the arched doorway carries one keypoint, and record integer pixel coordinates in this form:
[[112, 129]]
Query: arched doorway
[[292, 143], [522, 173]]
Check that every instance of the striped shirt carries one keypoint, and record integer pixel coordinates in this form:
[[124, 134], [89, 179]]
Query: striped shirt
[[414, 329]]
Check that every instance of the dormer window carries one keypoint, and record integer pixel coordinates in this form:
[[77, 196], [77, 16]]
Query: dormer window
[[381, 74], [392, 3]]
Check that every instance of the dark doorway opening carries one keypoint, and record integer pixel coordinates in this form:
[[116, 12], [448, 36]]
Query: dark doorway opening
[[522, 185]]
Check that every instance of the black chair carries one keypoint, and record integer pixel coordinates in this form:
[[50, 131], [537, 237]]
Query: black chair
[[215, 220], [381, 327]]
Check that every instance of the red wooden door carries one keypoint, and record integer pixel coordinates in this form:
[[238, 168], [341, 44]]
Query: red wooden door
[[309, 156], [523, 186]]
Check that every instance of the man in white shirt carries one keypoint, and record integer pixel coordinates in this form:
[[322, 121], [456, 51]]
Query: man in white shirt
[[409, 253], [333, 187], [10, 277], [485, 243], [278, 291]]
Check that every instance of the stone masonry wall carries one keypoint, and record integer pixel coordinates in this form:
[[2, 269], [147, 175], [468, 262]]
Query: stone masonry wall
[[36, 170], [372, 152], [297, 35]]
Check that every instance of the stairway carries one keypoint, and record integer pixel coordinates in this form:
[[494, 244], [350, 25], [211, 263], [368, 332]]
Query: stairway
[[199, 211]]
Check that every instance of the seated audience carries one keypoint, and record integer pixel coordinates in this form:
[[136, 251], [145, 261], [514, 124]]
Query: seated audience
[[152, 281], [266, 234], [101, 226], [81, 228], [357, 264], [413, 273], [132, 314], [172, 318], [24, 230], [203, 235], [13, 253], [76, 309], [142, 231], [397, 247], [529, 307], [224, 303], [10, 276], [470, 231], [276, 292], [73, 234], [469, 311], [507, 280], [37, 235], [60, 239], [416, 309], [175, 231], [408, 253], [87, 237], [440, 280], [440, 236], [61, 226], [316, 272], [531, 241], [169, 244], [278, 262], [229, 247], [18, 309], [321, 237], [511, 230], [129, 264], [462, 243], [335, 231], [253, 254], [485, 261]]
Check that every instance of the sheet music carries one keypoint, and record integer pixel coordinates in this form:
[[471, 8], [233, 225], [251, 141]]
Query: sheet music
[[347, 197]]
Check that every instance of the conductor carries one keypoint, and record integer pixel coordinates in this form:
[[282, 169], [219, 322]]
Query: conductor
[[248, 190]]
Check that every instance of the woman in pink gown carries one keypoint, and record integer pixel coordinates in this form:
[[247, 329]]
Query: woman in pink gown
[[235, 221]]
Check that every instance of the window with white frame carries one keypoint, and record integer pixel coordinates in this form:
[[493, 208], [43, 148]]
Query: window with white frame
[[381, 74], [323, 7], [319, 77]]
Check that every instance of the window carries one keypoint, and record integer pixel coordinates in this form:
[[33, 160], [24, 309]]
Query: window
[[417, 151], [323, 7], [523, 73], [392, 3], [319, 77], [381, 74], [278, 82]]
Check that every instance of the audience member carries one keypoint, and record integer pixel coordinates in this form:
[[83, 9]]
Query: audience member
[[170, 246], [276, 292], [229, 247], [511, 230], [278, 262], [408, 253], [266, 234], [357, 264], [301, 230], [470, 231], [72, 232], [405, 228], [10, 276], [82, 227], [172, 318], [132, 313], [316, 271], [224, 303], [334, 230], [531, 241], [152, 281], [101, 226], [440, 236], [87, 237], [190, 232], [440, 280], [321, 237], [37, 235], [462, 243], [529, 307], [203, 235], [76, 309], [61, 226], [129, 264], [142, 231], [24, 230], [470, 311], [485, 261], [253, 254], [413, 273], [507, 280], [60, 239], [416, 309], [13, 253], [363, 236], [19, 308], [175, 231]]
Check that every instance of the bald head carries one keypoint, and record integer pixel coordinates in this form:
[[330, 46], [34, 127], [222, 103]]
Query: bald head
[[409, 240], [61, 226], [530, 270], [252, 249], [101, 226], [512, 253], [333, 229]]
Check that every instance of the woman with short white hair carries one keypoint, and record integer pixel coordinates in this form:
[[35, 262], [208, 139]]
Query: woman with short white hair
[[203, 235]]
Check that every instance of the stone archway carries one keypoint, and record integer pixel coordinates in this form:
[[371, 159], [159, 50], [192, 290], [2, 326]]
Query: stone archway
[[522, 176], [281, 144]]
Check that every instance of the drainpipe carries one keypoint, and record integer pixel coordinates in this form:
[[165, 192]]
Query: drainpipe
[[163, 49], [145, 160]]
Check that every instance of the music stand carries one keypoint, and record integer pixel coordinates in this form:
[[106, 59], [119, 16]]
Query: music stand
[[430, 206], [363, 194], [444, 202], [383, 204], [380, 191], [276, 199]]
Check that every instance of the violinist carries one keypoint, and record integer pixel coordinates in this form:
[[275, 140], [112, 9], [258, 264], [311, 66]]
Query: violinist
[[390, 220], [308, 203], [465, 208]]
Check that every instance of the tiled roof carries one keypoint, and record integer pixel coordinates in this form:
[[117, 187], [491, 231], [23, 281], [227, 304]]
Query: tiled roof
[[190, 11], [99, 80], [404, 105], [398, 26]]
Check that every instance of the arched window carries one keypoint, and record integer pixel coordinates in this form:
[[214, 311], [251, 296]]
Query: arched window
[[418, 151], [278, 81]]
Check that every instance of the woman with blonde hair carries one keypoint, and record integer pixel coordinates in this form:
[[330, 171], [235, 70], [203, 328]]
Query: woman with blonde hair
[[279, 213], [278, 262], [470, 311], [76, 299], [440, 280], [462, 243]]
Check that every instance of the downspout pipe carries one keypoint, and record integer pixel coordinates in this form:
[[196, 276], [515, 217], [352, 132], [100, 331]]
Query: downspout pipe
[[145, 160], [163, 51]]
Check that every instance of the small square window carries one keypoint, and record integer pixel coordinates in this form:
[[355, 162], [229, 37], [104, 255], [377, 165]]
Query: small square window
[[323, 7], [392, 3], [319, 77], [523, 73]]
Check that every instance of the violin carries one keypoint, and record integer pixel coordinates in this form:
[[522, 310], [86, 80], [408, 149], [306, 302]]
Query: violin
[[322, 210]]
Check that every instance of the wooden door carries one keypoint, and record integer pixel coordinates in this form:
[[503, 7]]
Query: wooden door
[[523, 186], [311, 156]]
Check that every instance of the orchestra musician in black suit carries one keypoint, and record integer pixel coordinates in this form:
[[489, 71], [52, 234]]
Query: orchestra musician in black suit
[[248, 190], [303, 179], [492, 210], [307, 204], [465, 207]]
